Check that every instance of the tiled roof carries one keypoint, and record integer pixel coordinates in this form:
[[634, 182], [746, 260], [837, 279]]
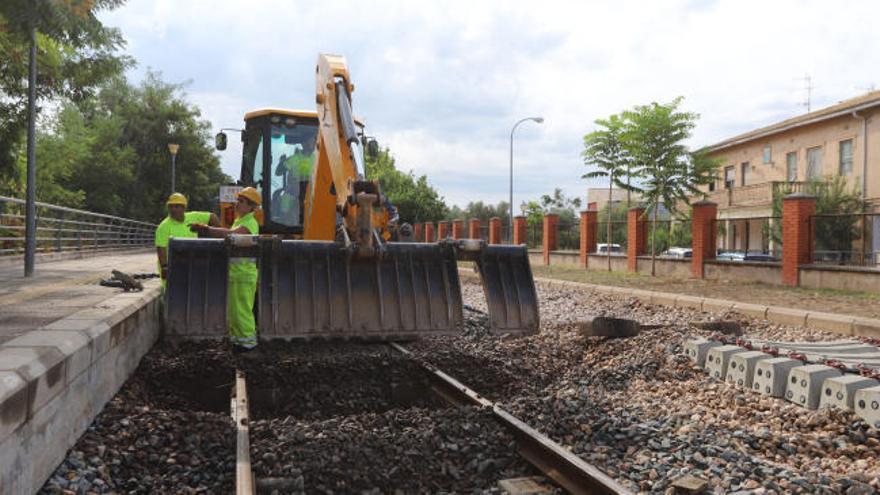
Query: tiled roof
[[866, 100]]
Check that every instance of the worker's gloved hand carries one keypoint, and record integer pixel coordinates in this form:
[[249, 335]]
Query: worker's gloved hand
[[199, 228]]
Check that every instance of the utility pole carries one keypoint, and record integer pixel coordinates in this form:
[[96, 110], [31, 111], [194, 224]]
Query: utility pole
[[808, 81], [30, 247], [172, 147]]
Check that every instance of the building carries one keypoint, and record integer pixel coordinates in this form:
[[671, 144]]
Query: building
[[597, 197], [842, 139]]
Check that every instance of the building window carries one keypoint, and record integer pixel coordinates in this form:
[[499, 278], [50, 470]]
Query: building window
[[791, 166], [729, 177], [846, 157], [767, 154], [814, 162], [744, 173]]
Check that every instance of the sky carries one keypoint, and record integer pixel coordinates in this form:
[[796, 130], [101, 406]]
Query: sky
[[441, 83]]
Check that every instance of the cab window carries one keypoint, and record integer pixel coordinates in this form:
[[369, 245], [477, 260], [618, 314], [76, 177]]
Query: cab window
[[292, 151]]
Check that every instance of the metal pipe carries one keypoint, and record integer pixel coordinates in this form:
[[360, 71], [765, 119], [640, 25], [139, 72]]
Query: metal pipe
[[31, 207], [510, 220]]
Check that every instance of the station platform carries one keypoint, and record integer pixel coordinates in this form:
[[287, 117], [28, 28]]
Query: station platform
[[60, 288]]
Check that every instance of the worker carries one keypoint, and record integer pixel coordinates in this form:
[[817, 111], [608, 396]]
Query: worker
[[176, 224], [242, 271]]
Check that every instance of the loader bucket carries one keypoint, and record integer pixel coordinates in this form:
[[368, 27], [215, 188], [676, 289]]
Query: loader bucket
[[195, 294], [317, 289], [509, 289]]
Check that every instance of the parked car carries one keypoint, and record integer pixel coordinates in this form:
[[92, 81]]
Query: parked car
[[603, 249], [678, 252], [760, 257], [730, 256]]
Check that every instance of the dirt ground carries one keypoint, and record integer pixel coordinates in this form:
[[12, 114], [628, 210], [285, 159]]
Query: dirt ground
[[863, 304]]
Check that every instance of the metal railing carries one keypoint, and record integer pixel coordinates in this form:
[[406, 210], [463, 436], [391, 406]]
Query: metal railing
[[749, 239], [61, 229], [846, 239]]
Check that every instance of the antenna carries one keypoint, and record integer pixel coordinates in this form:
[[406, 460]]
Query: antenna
[[808, 85]]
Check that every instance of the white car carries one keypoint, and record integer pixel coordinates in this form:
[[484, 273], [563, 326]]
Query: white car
[[603, 248], [678, 252]]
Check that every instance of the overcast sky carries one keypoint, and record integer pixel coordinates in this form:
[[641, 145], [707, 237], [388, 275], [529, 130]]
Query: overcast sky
[[441, 83]]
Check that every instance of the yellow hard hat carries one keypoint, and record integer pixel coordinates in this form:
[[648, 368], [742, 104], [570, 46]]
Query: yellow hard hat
[[251, 194], [176, 199]]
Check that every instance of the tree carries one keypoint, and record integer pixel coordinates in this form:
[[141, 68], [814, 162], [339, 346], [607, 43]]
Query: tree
[[75, 55], [108, 152], [556, 203], [654, 137], [415, 199], [604, 148]]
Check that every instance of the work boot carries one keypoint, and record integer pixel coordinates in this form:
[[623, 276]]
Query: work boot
[[248, 353]]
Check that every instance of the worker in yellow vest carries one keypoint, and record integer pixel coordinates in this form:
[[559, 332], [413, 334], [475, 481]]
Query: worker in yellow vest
[[242, 271], [177, 224]]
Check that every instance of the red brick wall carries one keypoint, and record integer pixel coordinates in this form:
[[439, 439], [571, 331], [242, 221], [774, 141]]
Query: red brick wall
[[417, 232], [796, 240], [519, 230], [636, 236], [494, 230], [458, 229], [429, 232], [474, 228], [589, 223], [551, 231], [703, 235], [442, 230]]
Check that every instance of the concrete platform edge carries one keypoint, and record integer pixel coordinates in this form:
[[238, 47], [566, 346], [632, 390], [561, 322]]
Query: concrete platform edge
[[45, 410]]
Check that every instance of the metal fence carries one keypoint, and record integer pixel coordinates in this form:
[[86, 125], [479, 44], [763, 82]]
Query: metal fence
[[568, 236], [61, 229], [670, 238], [846, 239], [618, 237], [749, 239]]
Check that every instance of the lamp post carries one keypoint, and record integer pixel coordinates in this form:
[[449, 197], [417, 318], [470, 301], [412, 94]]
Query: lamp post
[[173, 147], [510, 220]]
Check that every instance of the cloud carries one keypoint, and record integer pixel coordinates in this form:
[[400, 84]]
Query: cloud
[[441, 83]]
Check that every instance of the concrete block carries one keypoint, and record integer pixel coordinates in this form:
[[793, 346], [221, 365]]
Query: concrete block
[[533, 485], [867, 405], [771, 375], [697, 349], [13, 402], [97, 331], [41, 367], [688, 484], [663, 298], [641, 295], [865, 327], [840, 391], [717, 305], [718, 360], [727, 327], [753, 310], [741, 371], [692, 302], [75, 346], [787, 316], [831, 322], [603, 326], [804, 386]]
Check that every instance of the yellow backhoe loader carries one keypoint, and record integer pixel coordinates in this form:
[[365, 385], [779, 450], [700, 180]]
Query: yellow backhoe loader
[[330, 260]]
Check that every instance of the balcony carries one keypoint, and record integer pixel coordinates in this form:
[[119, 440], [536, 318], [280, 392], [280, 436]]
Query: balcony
[[754, 194]]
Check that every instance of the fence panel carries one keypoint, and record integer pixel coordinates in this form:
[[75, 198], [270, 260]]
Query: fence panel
[[846, 239], [62, 229], [749, 239]]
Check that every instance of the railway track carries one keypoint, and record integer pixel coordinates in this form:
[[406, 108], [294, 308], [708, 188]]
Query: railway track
[[569, 471]]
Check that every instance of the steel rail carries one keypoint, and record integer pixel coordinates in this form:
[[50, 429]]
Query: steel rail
[[570, 471], [244, 476]]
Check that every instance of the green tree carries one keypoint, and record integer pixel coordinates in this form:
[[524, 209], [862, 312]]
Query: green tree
[[108, 153], [654, 137], [75, 55], [415, 199], [604, 149]]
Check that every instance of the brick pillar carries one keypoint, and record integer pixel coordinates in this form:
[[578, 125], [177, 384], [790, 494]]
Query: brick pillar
[[458, 229], [442, 230], [796, 239], [551, 231], [429, 232], [589, 223], [636, 236], [703, 235], [417, 232], [519, 230], [474, 228], [494, 230]]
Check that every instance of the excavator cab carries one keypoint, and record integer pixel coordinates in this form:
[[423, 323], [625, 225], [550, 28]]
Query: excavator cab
[[327, 265]]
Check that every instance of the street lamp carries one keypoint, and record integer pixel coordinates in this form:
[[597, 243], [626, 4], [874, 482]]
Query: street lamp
[[173, 147], [510, 220]]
